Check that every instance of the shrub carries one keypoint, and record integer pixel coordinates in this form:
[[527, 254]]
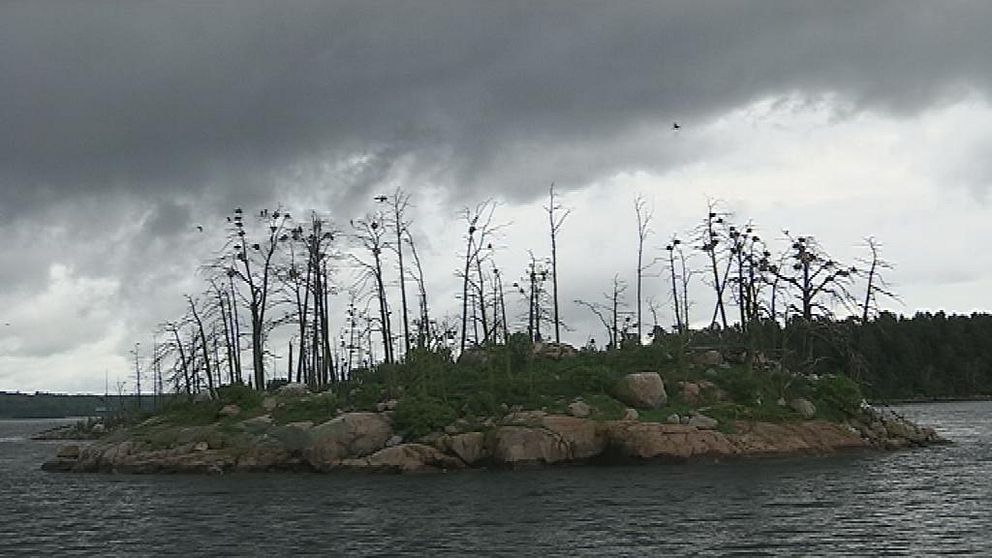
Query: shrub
[[419, 415], [364, 396], [240, 395], [836, 396], [318, 409]]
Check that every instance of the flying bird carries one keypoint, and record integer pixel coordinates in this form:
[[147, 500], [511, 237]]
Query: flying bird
[[199, 228], [676, 126], [381, 198]]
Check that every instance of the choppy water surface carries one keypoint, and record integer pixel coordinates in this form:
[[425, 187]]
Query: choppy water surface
[[911, 503]]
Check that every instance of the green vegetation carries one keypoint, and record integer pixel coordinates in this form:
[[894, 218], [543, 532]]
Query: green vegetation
[[432, 390]]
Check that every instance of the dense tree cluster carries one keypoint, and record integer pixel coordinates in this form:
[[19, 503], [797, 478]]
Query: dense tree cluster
[[926, 355]]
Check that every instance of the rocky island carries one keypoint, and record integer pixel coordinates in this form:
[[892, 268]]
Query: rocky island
[[506, 408]]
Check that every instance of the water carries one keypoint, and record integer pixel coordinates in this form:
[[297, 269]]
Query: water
[[920, 502]]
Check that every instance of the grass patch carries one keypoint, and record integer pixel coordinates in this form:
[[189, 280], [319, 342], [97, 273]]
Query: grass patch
[[319, 408]]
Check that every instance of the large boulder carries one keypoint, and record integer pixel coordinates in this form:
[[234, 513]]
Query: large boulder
[[815, 436], [410, 458], [293, 390], [516, 446], [703, 422], [347, 436], [579, 409], [696, 392], [524, 418], [583, 438], [270, 455], [708, 358], [470, 447], [804, 407], [674, 442], [643, 390]]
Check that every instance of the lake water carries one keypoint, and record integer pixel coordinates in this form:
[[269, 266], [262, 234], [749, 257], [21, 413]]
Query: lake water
[[919, 502]]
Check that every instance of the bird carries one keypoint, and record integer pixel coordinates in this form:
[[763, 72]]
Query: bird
[[676, 126], [381, 198], [199, 228]]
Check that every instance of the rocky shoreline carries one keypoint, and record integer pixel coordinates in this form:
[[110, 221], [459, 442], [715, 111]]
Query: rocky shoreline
[[366, 441]]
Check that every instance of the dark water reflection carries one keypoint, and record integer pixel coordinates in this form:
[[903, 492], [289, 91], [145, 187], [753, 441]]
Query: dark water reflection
[[913, 503]]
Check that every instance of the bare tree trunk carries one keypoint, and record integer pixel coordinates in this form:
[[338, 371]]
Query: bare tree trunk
[[468, 263], [555, 222], [387, 342], [871, 282], [532, 301], [481, 293], [203, 343], [399, 204], [423, 332], [675, 290], [643, 221]]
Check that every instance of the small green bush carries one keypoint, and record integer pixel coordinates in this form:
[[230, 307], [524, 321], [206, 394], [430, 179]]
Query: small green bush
[[364, 396], [420, 415], [836, 396], [192, 413], [240, 395], [317, 409]]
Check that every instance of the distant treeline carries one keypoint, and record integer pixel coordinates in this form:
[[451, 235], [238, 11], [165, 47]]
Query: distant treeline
[[926, 356], [54, 405]]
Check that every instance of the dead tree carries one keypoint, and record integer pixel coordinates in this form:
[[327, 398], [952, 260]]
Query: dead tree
[[610, 312], [398, 204], [534, 277], [224, 308], [818, 279], [198, 323], [182, 363], [499, 300], [876, 284], [601, 312], [556, 217], [747, 254], [671, 247], [370, 235], [480, 229], [255, 267], [423, 322], [644, 216], [710, 238], [318, 240]]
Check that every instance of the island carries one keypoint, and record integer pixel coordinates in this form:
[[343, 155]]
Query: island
[[513, 406]]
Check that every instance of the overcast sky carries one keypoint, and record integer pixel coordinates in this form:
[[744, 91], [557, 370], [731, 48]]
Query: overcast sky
[[127, 124]]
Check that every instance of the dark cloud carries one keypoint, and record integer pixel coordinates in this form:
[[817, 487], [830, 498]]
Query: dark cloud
[[137, 96], [126, 124]]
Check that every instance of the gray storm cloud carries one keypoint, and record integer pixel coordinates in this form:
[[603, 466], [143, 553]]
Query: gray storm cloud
[[125, 124], [164, 98]]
